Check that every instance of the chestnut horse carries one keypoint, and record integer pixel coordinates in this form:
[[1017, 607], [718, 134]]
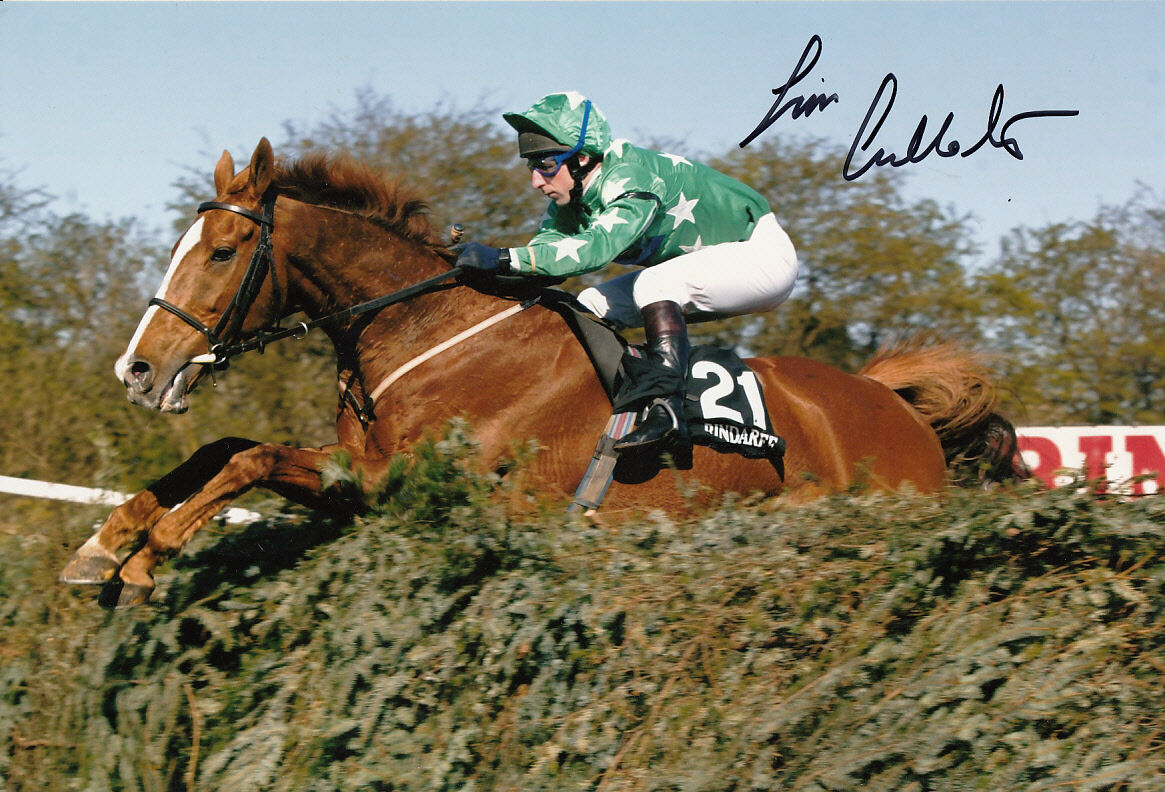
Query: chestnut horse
[[321, 235]]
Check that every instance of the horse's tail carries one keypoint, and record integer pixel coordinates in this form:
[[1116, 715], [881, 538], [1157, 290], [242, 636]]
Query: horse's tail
[[953, 391]]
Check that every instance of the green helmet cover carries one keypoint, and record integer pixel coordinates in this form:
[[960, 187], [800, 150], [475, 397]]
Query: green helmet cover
[[559, 116]]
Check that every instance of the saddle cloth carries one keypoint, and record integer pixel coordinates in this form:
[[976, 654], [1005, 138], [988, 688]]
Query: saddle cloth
[[724, 407], [724, 404]]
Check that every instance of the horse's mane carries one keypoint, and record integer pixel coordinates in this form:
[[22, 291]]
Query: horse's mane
[[350, 186]]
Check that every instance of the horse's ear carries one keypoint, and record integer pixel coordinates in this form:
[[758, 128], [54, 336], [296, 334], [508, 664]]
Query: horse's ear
[[262, 166], [224, 171]]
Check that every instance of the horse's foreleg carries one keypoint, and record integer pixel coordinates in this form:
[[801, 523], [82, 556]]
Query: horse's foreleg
[[96, 561], [292, 472]]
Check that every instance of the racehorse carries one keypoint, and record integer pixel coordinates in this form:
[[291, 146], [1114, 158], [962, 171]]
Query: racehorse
[[322, 234]]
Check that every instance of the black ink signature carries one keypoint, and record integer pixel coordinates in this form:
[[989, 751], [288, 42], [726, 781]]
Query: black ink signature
[[916, 151], [799, 104]]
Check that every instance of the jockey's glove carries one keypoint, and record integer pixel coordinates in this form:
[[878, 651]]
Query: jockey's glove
[[474, 255]]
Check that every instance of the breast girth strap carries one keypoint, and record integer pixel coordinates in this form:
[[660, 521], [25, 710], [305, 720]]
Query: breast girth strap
[[424, 357]]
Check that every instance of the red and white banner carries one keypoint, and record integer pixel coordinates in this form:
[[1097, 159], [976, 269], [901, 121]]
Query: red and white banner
[[1060, 454]]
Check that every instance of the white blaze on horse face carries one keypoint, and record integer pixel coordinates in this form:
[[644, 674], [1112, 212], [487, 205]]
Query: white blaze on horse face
[[191, 238]]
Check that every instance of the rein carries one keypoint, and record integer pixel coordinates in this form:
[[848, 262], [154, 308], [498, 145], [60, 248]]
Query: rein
[[301, 329], [219, 351]]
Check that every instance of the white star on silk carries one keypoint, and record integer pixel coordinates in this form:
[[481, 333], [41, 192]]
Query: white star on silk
[[698, 245], [568, 248], [676, 159], [575, 98], [682, 211], [614, 188], [608, 220]]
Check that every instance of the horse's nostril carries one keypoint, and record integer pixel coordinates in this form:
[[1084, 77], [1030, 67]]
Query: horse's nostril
[[140, 374]]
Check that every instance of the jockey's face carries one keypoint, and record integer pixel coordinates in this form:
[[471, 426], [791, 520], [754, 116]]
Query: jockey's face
[[556, 187]]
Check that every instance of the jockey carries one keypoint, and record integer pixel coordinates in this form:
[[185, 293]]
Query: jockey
[[708, 244]]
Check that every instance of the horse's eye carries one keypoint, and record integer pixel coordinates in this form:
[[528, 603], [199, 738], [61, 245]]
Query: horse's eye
[[222, 254]]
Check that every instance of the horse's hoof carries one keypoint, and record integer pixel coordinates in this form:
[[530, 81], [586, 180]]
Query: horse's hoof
[[89, 570], [116, 593]]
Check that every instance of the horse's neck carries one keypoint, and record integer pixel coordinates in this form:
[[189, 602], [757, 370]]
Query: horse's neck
[[340, 260], [438, 356]]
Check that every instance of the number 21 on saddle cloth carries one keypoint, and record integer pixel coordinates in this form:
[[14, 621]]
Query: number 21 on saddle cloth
[[724, 409]]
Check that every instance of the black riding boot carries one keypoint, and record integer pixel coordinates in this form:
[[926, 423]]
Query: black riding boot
[[667, 346]]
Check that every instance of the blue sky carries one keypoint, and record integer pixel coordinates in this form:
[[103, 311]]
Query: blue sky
[[105, 104]]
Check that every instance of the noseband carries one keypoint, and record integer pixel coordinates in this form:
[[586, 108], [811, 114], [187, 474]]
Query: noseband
[[262, 262]]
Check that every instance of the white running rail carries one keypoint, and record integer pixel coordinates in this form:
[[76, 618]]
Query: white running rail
[[99, 497]]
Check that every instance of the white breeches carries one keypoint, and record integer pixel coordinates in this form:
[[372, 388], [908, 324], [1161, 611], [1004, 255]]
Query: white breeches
[[728, 279]]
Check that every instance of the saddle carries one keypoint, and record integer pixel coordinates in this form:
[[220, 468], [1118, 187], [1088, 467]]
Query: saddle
[[724, 404]]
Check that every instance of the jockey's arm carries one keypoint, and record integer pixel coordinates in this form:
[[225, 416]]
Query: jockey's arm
[[612, 231]]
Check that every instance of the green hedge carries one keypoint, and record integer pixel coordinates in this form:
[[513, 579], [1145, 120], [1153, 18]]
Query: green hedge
[[449, 640]]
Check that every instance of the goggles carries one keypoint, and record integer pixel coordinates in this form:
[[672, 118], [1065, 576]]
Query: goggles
[[549, 165]]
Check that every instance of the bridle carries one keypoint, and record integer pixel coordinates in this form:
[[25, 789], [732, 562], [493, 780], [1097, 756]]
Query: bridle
[[221, 346], [262, 262]]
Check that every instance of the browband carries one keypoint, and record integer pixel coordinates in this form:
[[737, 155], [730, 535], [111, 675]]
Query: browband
[[241, 210]]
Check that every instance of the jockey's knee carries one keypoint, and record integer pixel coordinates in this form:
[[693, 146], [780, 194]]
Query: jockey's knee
[[622, 312]]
